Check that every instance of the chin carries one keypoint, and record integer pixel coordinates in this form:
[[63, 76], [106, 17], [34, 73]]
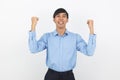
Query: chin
[[61, 27]]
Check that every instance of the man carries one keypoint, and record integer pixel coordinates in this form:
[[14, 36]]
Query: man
[[61, 46]]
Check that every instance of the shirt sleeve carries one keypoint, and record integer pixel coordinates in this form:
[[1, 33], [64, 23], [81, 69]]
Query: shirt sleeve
[[87, 49], [34, 45]]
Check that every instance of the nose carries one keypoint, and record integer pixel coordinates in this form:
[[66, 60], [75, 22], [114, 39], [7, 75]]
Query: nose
[[60, 18]]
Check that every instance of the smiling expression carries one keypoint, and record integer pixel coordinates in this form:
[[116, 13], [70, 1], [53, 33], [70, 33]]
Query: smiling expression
[[61, 19]]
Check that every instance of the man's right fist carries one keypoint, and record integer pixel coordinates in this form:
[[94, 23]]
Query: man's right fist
[[34, 20]]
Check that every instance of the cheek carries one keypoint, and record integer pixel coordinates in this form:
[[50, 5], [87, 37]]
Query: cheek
[[54, 20], [66, 21]]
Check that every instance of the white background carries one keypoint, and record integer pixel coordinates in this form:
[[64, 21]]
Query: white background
[[16, 61]]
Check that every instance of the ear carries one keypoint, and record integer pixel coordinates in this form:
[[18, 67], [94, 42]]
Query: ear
[[67, 20], [53, 19]]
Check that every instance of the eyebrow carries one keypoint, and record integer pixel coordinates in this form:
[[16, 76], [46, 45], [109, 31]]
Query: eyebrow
[[63, 14]]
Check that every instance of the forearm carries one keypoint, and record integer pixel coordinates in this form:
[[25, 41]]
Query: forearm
[[33, 27], [91, 44], [32, 42], [91, 30]]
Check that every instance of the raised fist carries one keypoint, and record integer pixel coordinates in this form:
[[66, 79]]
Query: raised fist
[[34, 20], [90, 25]]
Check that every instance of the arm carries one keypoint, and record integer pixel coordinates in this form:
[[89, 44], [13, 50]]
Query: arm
[[34, 45], [37, 45], [82, 46]]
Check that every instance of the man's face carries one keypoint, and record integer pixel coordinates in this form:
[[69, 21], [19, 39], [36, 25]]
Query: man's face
[[61, 20]]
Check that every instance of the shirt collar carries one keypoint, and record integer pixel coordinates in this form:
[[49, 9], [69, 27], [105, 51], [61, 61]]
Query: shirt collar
[[55, 33]]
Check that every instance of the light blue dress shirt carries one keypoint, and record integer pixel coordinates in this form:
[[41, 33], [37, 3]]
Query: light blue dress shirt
[[61, 51]]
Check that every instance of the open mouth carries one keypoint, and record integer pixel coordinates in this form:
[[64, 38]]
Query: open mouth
[[60, 22]]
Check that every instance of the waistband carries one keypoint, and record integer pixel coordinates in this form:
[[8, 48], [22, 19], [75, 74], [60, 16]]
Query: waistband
[[59, 72]]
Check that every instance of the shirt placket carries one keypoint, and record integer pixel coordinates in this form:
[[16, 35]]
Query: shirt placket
[[61, 53]]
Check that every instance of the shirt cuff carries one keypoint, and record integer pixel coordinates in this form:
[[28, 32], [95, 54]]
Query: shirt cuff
[[92, 36], [32, 33]]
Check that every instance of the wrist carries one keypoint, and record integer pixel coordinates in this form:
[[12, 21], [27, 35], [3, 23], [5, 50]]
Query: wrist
[[91, 31], [33, 27], [33, 24]]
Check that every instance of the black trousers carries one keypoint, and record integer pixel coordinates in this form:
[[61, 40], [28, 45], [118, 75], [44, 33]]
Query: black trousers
[[54, 75]]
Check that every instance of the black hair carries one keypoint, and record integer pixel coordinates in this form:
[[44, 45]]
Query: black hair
[[60, 10]]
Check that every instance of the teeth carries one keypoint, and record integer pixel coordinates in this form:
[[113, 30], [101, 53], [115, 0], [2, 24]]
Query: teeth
[[60, 22]]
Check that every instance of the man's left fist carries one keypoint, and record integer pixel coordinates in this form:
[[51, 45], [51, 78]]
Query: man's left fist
[[90, 22]]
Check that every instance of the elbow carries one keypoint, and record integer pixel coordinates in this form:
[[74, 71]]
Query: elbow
[[33, 51], [90, 53]]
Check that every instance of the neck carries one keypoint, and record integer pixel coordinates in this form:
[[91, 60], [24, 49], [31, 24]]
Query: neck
[[61, 31]]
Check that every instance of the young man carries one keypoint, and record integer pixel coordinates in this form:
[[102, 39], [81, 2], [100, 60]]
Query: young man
[[62, 46]]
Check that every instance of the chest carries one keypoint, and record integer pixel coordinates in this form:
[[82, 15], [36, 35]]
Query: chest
[[62, 42]]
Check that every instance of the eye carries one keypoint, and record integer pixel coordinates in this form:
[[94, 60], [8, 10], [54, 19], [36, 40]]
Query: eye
[[57, 15], [64, 16]]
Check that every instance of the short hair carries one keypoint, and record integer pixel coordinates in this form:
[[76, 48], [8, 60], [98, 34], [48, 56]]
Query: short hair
[[60, 10]]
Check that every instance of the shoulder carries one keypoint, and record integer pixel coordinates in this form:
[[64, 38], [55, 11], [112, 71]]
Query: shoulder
[[48, 34], [74, 34]]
